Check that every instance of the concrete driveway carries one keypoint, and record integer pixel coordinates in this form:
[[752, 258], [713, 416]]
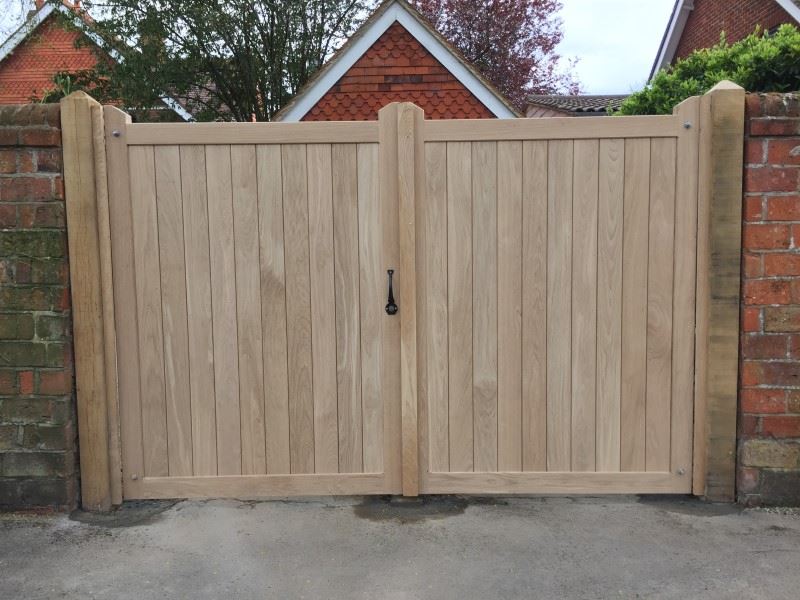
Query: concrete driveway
[[327, 548]]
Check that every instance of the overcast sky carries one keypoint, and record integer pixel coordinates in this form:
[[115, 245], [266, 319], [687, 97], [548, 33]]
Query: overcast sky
[[615, 40]]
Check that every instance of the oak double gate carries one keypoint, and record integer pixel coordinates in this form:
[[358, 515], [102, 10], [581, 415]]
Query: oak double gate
[[545, 273]]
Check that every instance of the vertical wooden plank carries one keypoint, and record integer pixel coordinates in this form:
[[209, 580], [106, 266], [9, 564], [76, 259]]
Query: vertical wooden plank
[[248, 308], [609, 302], [509, 306], [348, 333], [148, 303], [323, 308], [659, 304], [173, 309], [534, 305], [459, 303], [434, 299], [87, 198], [684, 289], [124, 292], [198, 304], [298, 308], [718, 289], [411, 191], [371, 283], [484, 303], [559, 305], [391, 368], [223, 305], [273, 308], [584, 304], [634, 304]]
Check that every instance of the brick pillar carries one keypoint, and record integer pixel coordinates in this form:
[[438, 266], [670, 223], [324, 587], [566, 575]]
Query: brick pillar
[[769, 397], [37, 415]]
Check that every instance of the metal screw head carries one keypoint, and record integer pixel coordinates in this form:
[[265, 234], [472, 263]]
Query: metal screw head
[[681, 471], [135, 476], [687, 125], [116, 133]]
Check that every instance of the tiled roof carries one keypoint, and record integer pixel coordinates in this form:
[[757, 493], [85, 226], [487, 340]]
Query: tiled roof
[[397, 68], [579, 104]]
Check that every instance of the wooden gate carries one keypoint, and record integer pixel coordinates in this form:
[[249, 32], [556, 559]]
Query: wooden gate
[[552, 278]]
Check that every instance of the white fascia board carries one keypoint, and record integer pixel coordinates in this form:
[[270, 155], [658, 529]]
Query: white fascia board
[[398, 13], [670, 46], [791, 8], [16, 38]]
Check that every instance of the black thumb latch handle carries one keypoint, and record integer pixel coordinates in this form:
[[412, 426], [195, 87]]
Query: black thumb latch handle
[[391, 307]]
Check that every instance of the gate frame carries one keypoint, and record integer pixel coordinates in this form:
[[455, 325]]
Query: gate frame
[[718, 276]]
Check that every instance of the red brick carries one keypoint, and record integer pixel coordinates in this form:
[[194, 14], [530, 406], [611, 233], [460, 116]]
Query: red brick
[[40, 137], [796, 236], [48, 160], [775, 374], [767, 291], [758, 401], [781, 427], [783, 152], [754, 151], [8, 161], [8, 216], [781, 265], [753, 208], [748, 425], [50, 214], [770, 126], [8, 382], [783, 208], [771, 179], [55, 383], [793, 401], [15, 189], [747, 480], [753, 265], [8, 136], [26, 382], [767, 237], [751, 319], [794, 346], [757, 345]]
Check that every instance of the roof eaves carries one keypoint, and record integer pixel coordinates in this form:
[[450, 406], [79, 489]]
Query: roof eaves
[[24, 30], [672, 35]]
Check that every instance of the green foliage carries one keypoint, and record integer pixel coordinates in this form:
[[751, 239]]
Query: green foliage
[[758, 63]]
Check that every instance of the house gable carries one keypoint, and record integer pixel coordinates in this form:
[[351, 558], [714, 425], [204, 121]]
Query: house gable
[[397, 68], [697, 24], [396, 56]]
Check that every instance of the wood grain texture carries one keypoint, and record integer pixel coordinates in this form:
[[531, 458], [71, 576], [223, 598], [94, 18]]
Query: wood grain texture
[[372, 291], [559, 305], [609, 302], [659, 305], [248, 309], [298, 310], [348, 306], [223, 309], [433, 297], [509, 306], [273, 308], [323, 309], [459, 304], [534, 305], [148, 305], [198, 305], [584, 304], [484, 303], [169, 205], [634, 304]]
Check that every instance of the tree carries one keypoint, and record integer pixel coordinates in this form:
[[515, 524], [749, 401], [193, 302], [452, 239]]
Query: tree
[[759, 63], [511, 42], [221, 58]]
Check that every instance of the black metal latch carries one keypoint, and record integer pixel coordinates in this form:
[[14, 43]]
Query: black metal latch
[[391, 307]]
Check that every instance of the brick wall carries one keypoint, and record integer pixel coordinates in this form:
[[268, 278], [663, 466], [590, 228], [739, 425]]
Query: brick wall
[[769, 396], [37, 415], [737, 18], [397, 68]]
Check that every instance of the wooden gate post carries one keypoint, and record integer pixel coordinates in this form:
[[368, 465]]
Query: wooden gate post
[[94, 340], [719, 248]]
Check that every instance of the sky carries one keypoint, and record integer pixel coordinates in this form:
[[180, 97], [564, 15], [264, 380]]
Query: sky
[[615, 41]]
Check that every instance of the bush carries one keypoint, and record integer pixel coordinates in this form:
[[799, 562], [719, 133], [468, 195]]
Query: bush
[[758, 63]]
